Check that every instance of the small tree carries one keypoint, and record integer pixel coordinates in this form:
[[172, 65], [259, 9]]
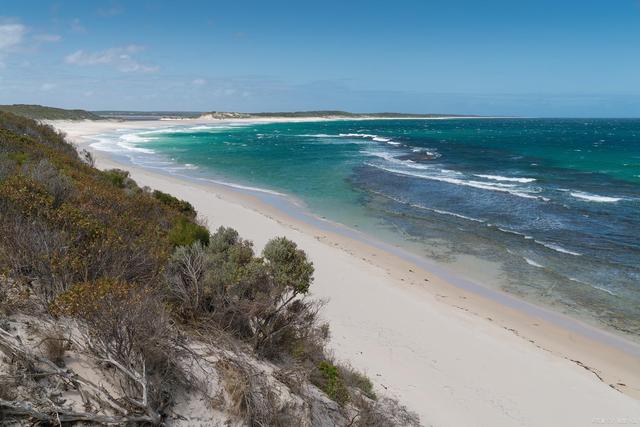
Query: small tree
[[283, 308], [260, 299]]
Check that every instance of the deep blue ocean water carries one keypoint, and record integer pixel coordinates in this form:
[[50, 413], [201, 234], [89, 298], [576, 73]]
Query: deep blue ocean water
[[552, 205]]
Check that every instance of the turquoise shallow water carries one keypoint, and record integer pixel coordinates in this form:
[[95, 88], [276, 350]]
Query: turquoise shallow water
[[553, 205]]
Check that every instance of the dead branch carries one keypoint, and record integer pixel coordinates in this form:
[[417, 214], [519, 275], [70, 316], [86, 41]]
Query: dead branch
[[58, 415], [43, 366]]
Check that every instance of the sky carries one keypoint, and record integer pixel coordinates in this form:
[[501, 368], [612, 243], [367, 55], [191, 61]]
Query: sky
[[560, 58]]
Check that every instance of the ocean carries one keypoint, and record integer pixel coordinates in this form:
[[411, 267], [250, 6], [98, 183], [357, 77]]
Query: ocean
[[546, 209]]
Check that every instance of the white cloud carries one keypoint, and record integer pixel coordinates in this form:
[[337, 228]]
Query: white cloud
[[48, 38], [47, 86], [198, 82], [121, 58], [11, 36]]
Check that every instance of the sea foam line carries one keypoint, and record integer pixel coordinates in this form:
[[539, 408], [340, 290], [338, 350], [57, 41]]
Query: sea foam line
[[422, 207], [506, 178], [594, 197], [557, 248], [532, 262], [456, 181], [369, 136], [600, 288]]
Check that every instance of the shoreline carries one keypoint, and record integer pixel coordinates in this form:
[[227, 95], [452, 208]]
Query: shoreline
[[442, 348]]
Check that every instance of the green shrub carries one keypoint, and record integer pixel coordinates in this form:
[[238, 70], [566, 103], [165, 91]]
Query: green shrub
[[289, 265], [185, 232], [63, 221], [117, 177], [19, 158], [330, 381], [357, 380], [175, 203]]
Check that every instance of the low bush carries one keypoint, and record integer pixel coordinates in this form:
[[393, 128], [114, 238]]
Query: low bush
[[57, 185], [252, 398], [259, 299], [118, 178], [128, 328], [185, 232], [329, 380], [175, 203], [384, 412], [19, 158], [357, 380]]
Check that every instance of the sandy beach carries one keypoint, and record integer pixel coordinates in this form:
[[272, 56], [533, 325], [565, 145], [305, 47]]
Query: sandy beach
[[455, 354]]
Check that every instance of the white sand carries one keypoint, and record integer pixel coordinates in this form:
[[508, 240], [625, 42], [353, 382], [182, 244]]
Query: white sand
[[455, 358]]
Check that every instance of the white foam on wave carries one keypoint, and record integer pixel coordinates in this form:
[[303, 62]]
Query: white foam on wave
[[357, 135], [391, 158], [122, 144], [600, 288], [376, 138], [367, 136], [506, 178], [422, 207], [318, 135], [183, 129], [243, 187], [532, 262], [594, 197], [428, 151], [557, 248], [517, 233], [506, 188], [454, 214]]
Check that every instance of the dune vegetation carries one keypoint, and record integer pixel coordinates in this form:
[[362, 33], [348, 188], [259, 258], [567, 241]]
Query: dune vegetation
[[118, 306], [40, 112]]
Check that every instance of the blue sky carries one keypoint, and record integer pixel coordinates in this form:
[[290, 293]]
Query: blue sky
[[542, 58]]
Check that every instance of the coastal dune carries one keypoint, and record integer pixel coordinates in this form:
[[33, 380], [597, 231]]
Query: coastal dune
[[454, 357]]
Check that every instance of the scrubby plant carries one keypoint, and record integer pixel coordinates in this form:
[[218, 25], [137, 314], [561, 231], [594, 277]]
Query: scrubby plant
[[354, 379], [250, 396], [18, 157], [118, 177], [329, 379], [175, 203], [128, 328], [260, 299], [57, 185], [184, 232], [63, 221], [384, 412]]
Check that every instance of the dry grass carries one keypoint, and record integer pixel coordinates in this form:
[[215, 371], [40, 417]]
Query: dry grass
[[251, 398], [384, 412]]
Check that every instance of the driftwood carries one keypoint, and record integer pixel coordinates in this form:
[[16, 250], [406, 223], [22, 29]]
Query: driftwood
[[89, 391], [57, 415]]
